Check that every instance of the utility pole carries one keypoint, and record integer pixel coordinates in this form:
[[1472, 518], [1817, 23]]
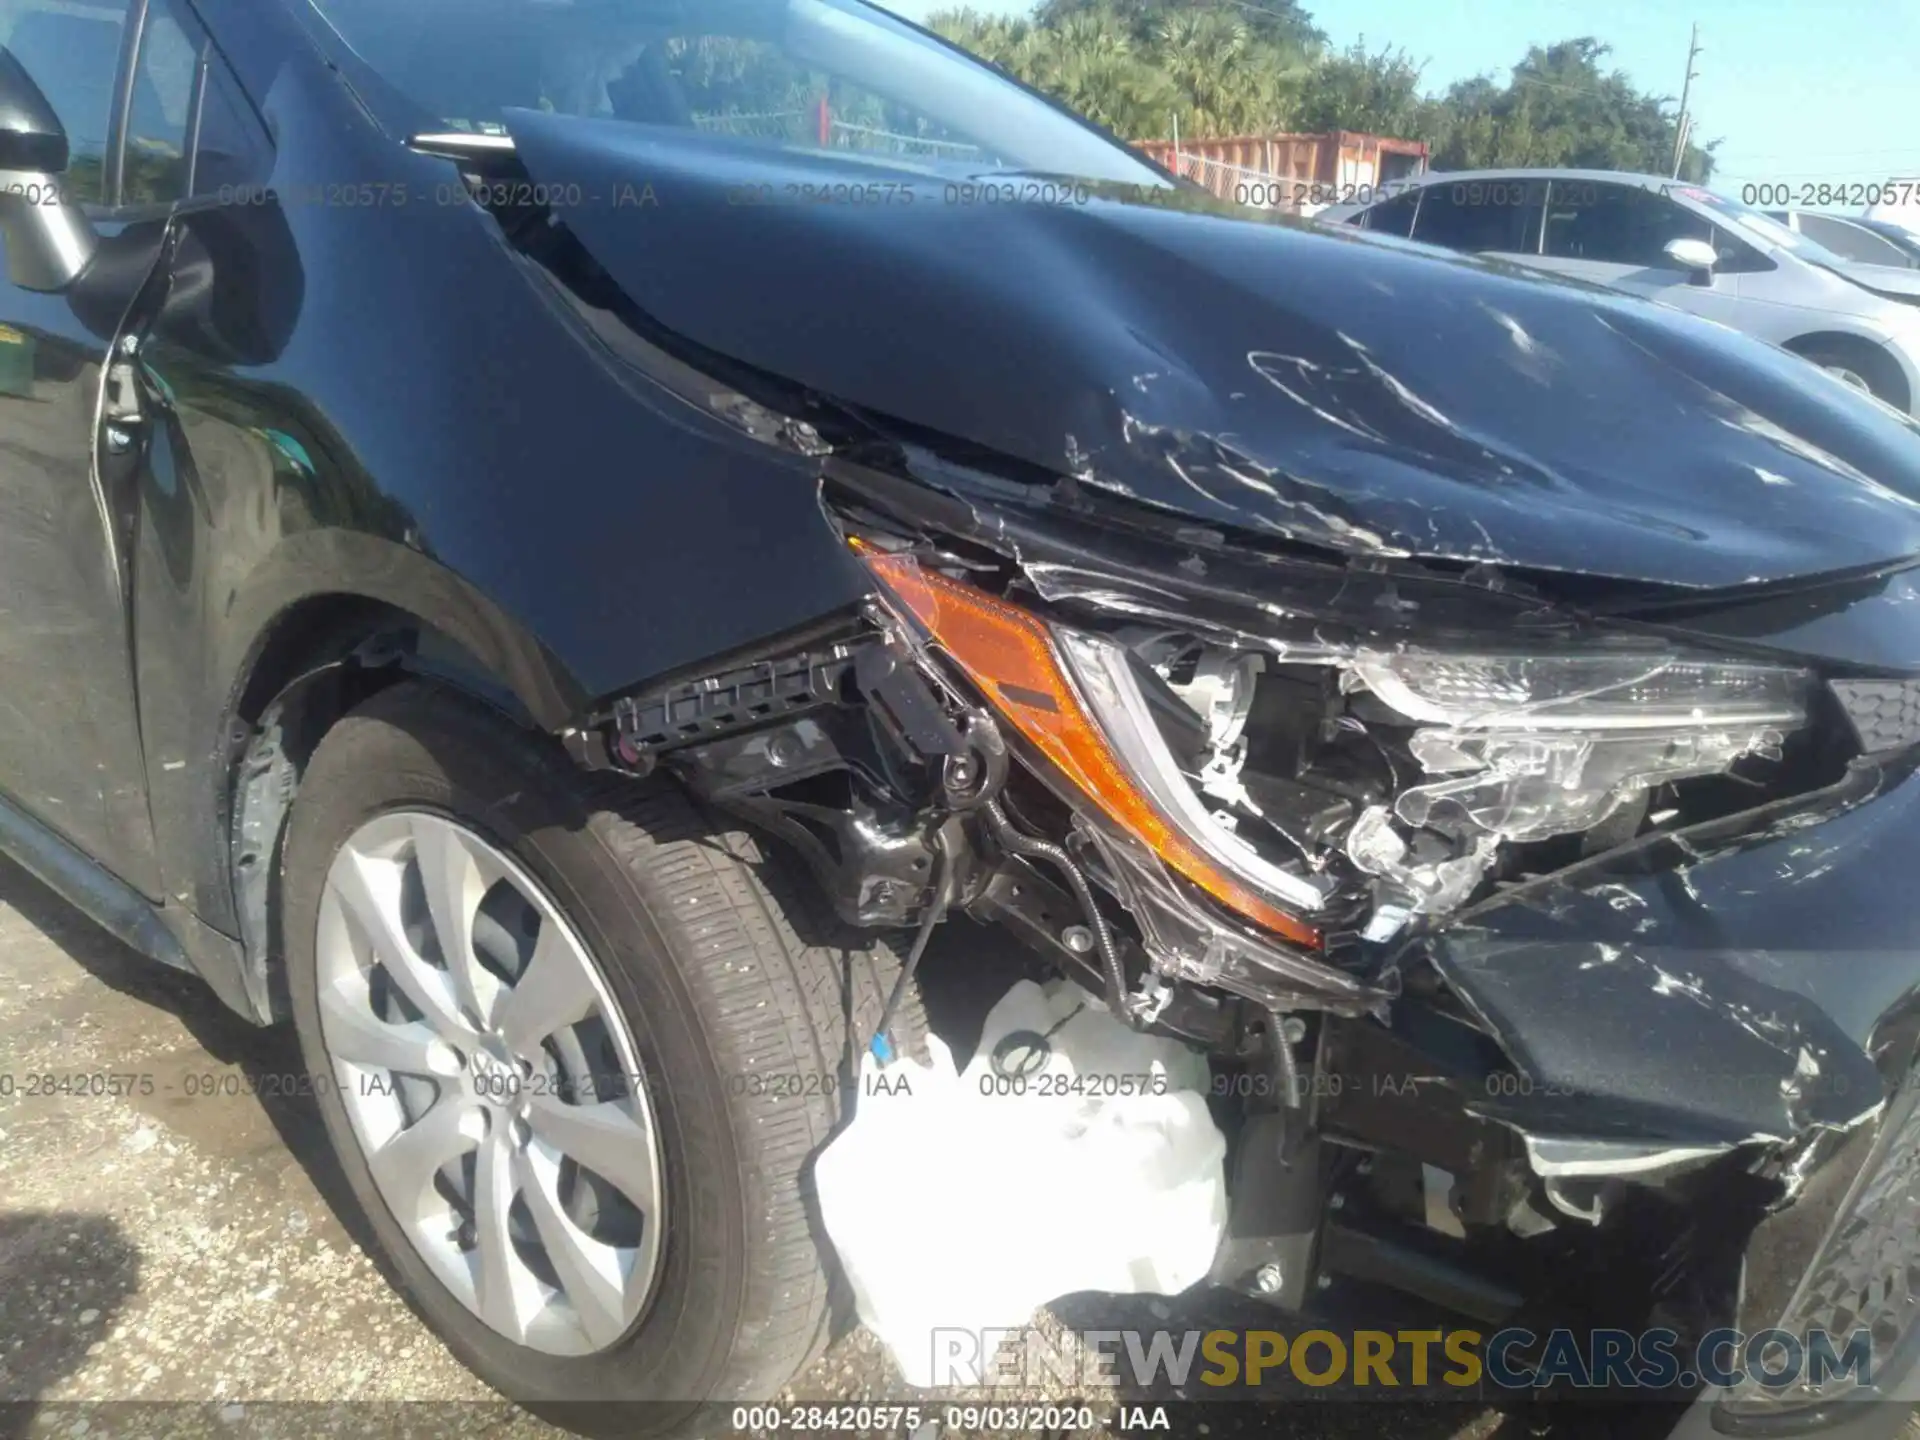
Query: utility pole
[[1685, 122]]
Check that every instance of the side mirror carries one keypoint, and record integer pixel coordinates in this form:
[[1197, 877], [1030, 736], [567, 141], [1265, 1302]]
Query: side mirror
[[49, 239], [1696, 257]]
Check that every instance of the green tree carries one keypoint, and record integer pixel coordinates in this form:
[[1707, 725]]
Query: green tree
[[1274, 22], [1377, 93], [1560, 107], [1251, 67], [1140, 74], [1227, 78]]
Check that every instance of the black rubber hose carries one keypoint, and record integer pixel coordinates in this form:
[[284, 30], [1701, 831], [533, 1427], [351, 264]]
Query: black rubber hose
[[1289, 1063], [881, 1046], [1027, 845]]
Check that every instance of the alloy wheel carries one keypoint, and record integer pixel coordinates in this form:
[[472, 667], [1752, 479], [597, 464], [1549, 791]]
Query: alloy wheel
[[491, 1083]]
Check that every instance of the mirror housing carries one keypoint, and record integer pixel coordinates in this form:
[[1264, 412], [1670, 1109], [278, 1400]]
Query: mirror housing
[[1696, 257], [49, 239]]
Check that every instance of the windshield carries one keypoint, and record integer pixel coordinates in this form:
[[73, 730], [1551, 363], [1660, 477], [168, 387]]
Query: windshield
[[1761, 226], [834, 75], [1907, 240]]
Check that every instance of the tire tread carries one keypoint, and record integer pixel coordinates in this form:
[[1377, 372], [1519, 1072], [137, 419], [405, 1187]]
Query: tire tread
[[777, 986], [777, 1005]]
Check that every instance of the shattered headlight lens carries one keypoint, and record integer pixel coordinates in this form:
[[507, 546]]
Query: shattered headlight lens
[[1526, 747], [1281, 779], [1088, 720], [1580, 692], [1107, 681], [1532, 786]]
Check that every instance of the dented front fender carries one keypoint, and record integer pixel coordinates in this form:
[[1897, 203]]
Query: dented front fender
[[1751, 980]]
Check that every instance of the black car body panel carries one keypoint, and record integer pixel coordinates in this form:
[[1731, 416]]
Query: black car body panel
[[1327, 386], [1852, 620], [1722, 987], [290, 464]]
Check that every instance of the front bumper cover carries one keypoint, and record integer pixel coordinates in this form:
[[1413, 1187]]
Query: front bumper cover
[[1751, 986]]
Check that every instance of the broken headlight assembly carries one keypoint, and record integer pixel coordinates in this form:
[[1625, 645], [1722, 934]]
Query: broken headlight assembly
[[1522, 748], [1298, 785]]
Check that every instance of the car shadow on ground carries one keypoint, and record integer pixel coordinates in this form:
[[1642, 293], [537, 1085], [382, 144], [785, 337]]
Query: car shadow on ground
[[64, 1276], [267, 1058]]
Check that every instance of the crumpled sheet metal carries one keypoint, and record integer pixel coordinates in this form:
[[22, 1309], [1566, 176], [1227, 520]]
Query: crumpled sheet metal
[[1314, 384], [1740, 995]]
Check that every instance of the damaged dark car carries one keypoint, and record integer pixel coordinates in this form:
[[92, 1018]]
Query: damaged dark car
[[552, 543]]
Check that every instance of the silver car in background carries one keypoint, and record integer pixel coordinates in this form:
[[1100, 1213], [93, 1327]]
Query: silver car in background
[[1681, 245], [1853, 237]]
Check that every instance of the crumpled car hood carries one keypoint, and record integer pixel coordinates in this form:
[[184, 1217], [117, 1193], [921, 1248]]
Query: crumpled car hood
[[1338, 389]]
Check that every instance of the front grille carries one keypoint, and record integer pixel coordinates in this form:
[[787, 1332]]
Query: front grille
[[1866, 1273], [1885, 713]]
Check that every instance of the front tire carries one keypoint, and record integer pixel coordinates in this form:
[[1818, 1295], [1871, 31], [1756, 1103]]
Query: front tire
[[575, 1045]]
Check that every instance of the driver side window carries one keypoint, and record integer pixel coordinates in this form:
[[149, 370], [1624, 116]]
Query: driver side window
[[71, 48], [1617, 224], [1737, 257]]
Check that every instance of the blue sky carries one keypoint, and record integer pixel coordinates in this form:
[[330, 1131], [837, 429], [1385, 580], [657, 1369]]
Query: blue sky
[[1800, 91]]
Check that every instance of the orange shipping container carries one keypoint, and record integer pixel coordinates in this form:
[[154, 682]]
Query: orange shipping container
[[1299, 173]]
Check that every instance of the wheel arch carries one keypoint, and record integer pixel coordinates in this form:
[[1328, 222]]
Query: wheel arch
[[1877, 365], [319, 652]]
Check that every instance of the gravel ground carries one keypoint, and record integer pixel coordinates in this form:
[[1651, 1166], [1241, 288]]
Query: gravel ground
[[171, 1261]]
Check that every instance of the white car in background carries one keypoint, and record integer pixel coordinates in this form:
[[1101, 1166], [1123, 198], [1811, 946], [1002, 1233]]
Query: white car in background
[[1854, 237], [1903, 210], [1681, 245]]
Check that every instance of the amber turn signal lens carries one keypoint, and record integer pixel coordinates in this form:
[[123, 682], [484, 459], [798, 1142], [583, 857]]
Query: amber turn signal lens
[[1010, 656]]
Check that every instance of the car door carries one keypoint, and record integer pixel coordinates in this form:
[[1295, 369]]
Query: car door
[[1616, 235], [70, 745]]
